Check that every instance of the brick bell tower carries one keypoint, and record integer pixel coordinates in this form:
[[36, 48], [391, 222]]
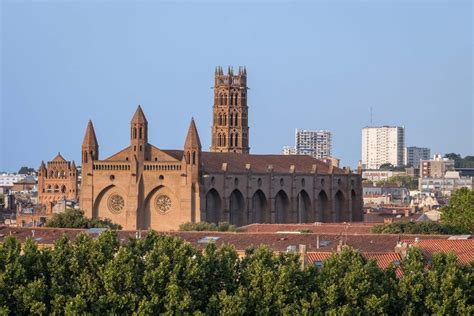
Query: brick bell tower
[[230, 129]]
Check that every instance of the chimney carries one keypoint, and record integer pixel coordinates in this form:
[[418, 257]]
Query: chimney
[[302, 251]]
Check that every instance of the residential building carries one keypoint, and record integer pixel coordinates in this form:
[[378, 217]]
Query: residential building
[[8, 179], [289, 150], [413, 155], [381, 145], [445, 185], [436, 167]]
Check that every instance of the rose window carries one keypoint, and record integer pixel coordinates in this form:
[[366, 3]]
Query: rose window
[[115, 203], [163, 203]]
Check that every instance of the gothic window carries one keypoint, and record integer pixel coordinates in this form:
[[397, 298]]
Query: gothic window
[[56, 188], [194, 157], [188, 157], [224, 141], [236, 142], [221, 99], [220, 119], [140, 133], [134, 132], [236, 119], [231, 119], [231, 140], [49, 188], [225, 119], [231, 98], [63, 189]]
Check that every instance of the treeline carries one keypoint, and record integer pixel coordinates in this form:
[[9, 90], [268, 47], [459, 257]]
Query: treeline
[[163, 274], [406, 227], [205, 226], [72, 218]]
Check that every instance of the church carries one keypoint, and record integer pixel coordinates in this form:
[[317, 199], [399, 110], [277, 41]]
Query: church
[[143, 186]]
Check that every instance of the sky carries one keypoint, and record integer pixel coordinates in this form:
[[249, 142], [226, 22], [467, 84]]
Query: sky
[[312, 65]]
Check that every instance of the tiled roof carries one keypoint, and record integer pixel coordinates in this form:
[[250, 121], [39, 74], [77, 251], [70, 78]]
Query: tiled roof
[[373, 243], [464, 249], [384, 259], [319, 228], [259, 163]]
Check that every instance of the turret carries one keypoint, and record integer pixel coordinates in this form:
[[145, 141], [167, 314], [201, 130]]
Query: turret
[[139, 135], [192, 151], [90, 146]]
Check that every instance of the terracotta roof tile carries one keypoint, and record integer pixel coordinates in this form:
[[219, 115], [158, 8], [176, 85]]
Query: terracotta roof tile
[[464, 249]]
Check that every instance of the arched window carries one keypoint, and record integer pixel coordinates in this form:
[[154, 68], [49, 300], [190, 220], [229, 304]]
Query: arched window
[[188, 157], [224, 140], [236, 142], [194, 157], [219, 139], [63, 189], [49, 188], [134, 132], [220, 119], [56, 188], [231, 101], [236, 118], [231, 119], [221, 99], [140, 133], [225, 99], [225, 119], [231, 140]]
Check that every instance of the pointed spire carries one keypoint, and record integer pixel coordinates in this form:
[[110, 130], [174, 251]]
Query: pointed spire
[[73, 165], [192, 139], [139, 116], [245, 70], [42, 166], [90, 140], [59, 158]]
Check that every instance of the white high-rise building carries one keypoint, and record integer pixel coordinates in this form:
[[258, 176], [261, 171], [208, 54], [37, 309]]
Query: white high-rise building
[[317, 144], [381, 145], [413, 155]]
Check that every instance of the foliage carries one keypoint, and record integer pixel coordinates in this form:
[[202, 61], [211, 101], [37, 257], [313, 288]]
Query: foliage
[[26, 170], [460, 210], [406, 227], [72, 218], [162, 274], [459, 162], [403, 181], [205, 226]]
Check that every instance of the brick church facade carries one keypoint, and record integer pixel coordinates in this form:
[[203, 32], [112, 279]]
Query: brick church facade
[[143, 186]]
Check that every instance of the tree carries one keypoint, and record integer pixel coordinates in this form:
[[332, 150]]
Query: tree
[[386, 166], [26, 170], [72, 218], [460, 210]]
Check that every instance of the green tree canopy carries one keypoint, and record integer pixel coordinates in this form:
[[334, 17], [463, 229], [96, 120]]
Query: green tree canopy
[[72, 218], [26, 170], [460, 210]]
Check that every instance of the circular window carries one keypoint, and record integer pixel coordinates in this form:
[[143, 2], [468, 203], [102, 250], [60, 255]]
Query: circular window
[[115, 203], [112, 178], [163, 203], [282, 182], [161, 177], [303, 182], [259, 182]]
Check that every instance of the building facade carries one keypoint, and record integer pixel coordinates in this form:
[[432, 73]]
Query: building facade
[[381, 145], [57, 182], [317, 144], [413, 155], [143, 186], [436, 167]]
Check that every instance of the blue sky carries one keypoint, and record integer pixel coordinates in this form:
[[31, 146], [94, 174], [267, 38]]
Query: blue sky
[[313, 65]]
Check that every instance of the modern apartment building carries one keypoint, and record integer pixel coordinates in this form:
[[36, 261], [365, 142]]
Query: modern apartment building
[[381, 145], [414, 154], [317, 144], [436, 167]]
